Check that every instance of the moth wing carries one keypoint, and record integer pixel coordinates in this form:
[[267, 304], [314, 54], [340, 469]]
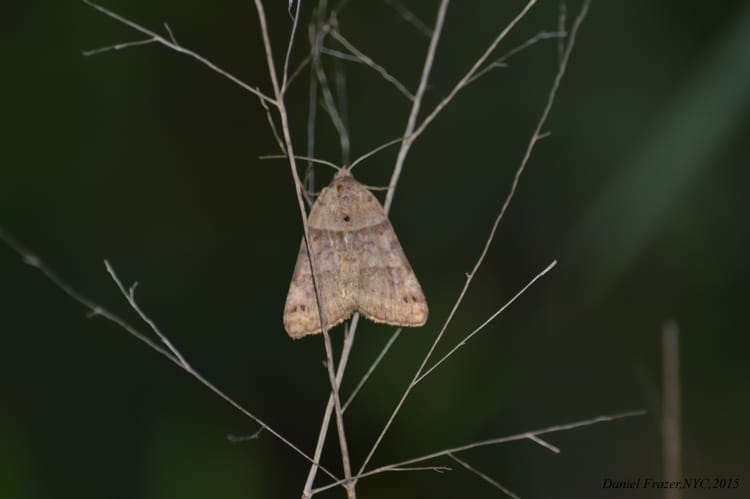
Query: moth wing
[[301, 315], [388, 290]]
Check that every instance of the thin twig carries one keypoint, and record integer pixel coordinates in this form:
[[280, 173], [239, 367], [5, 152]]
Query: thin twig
[[485, 323], [97, 310], [492, 441], [118, 46], [484, 477], [416, 105], [287, 57], [302, 65], [346, 350], [374, 65], [543, 443], [93, 308], [671, 414], [328, 100], [501, 214], [472, 71], [371, 369], [129, 295], [340, 55], [179, 48], [272, 126], [412, 19], [500, 62]]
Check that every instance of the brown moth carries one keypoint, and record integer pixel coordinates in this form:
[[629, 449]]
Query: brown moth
[[359, 265]]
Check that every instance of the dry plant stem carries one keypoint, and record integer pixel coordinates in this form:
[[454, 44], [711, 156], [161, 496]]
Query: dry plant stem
[[316, 39], [344, 139], [529, 149], [484, 477], [129, 295], [493, 441], [170, 352], [470, 74], [285, 72], [298, 188], [346, 350], [485, 323], [156, 38], [500, 61], [372, 368], [671, 442], [361, 57], [416, 105], [339, 55]]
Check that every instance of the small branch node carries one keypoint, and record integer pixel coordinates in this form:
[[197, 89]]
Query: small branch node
[[171, 34]]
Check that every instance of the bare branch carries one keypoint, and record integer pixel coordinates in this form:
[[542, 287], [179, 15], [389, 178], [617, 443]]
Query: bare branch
[[485, 323], [492, 441], [97, 310], [178, 48], [371, 369], [501, 61], [470, 74], [119, 46], [280, 104], [348, 343], [93, 308], [369, 62], [272, 125], [130, 297], [340, 55], [544, 443], [501, 214], [295, 23]]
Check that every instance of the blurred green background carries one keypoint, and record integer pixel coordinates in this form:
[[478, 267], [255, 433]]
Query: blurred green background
[[150, 160]]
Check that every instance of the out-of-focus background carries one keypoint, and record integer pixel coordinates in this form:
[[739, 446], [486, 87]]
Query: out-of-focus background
[[147, 158]]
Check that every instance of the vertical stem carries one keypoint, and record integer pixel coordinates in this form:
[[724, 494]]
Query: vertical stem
[[348, 342], [284, 116], [671, 439]]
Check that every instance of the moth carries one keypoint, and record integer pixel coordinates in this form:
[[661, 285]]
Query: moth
[[359, 265]]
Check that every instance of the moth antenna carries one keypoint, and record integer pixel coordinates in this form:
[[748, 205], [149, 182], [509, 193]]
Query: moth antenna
[[374, 151], [304, 158]]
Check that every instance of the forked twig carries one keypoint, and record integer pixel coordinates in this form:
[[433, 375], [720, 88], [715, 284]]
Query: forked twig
[[157, 38], [364, 59], [527, 154], [170, 353], [492, 441], [500, 61]]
